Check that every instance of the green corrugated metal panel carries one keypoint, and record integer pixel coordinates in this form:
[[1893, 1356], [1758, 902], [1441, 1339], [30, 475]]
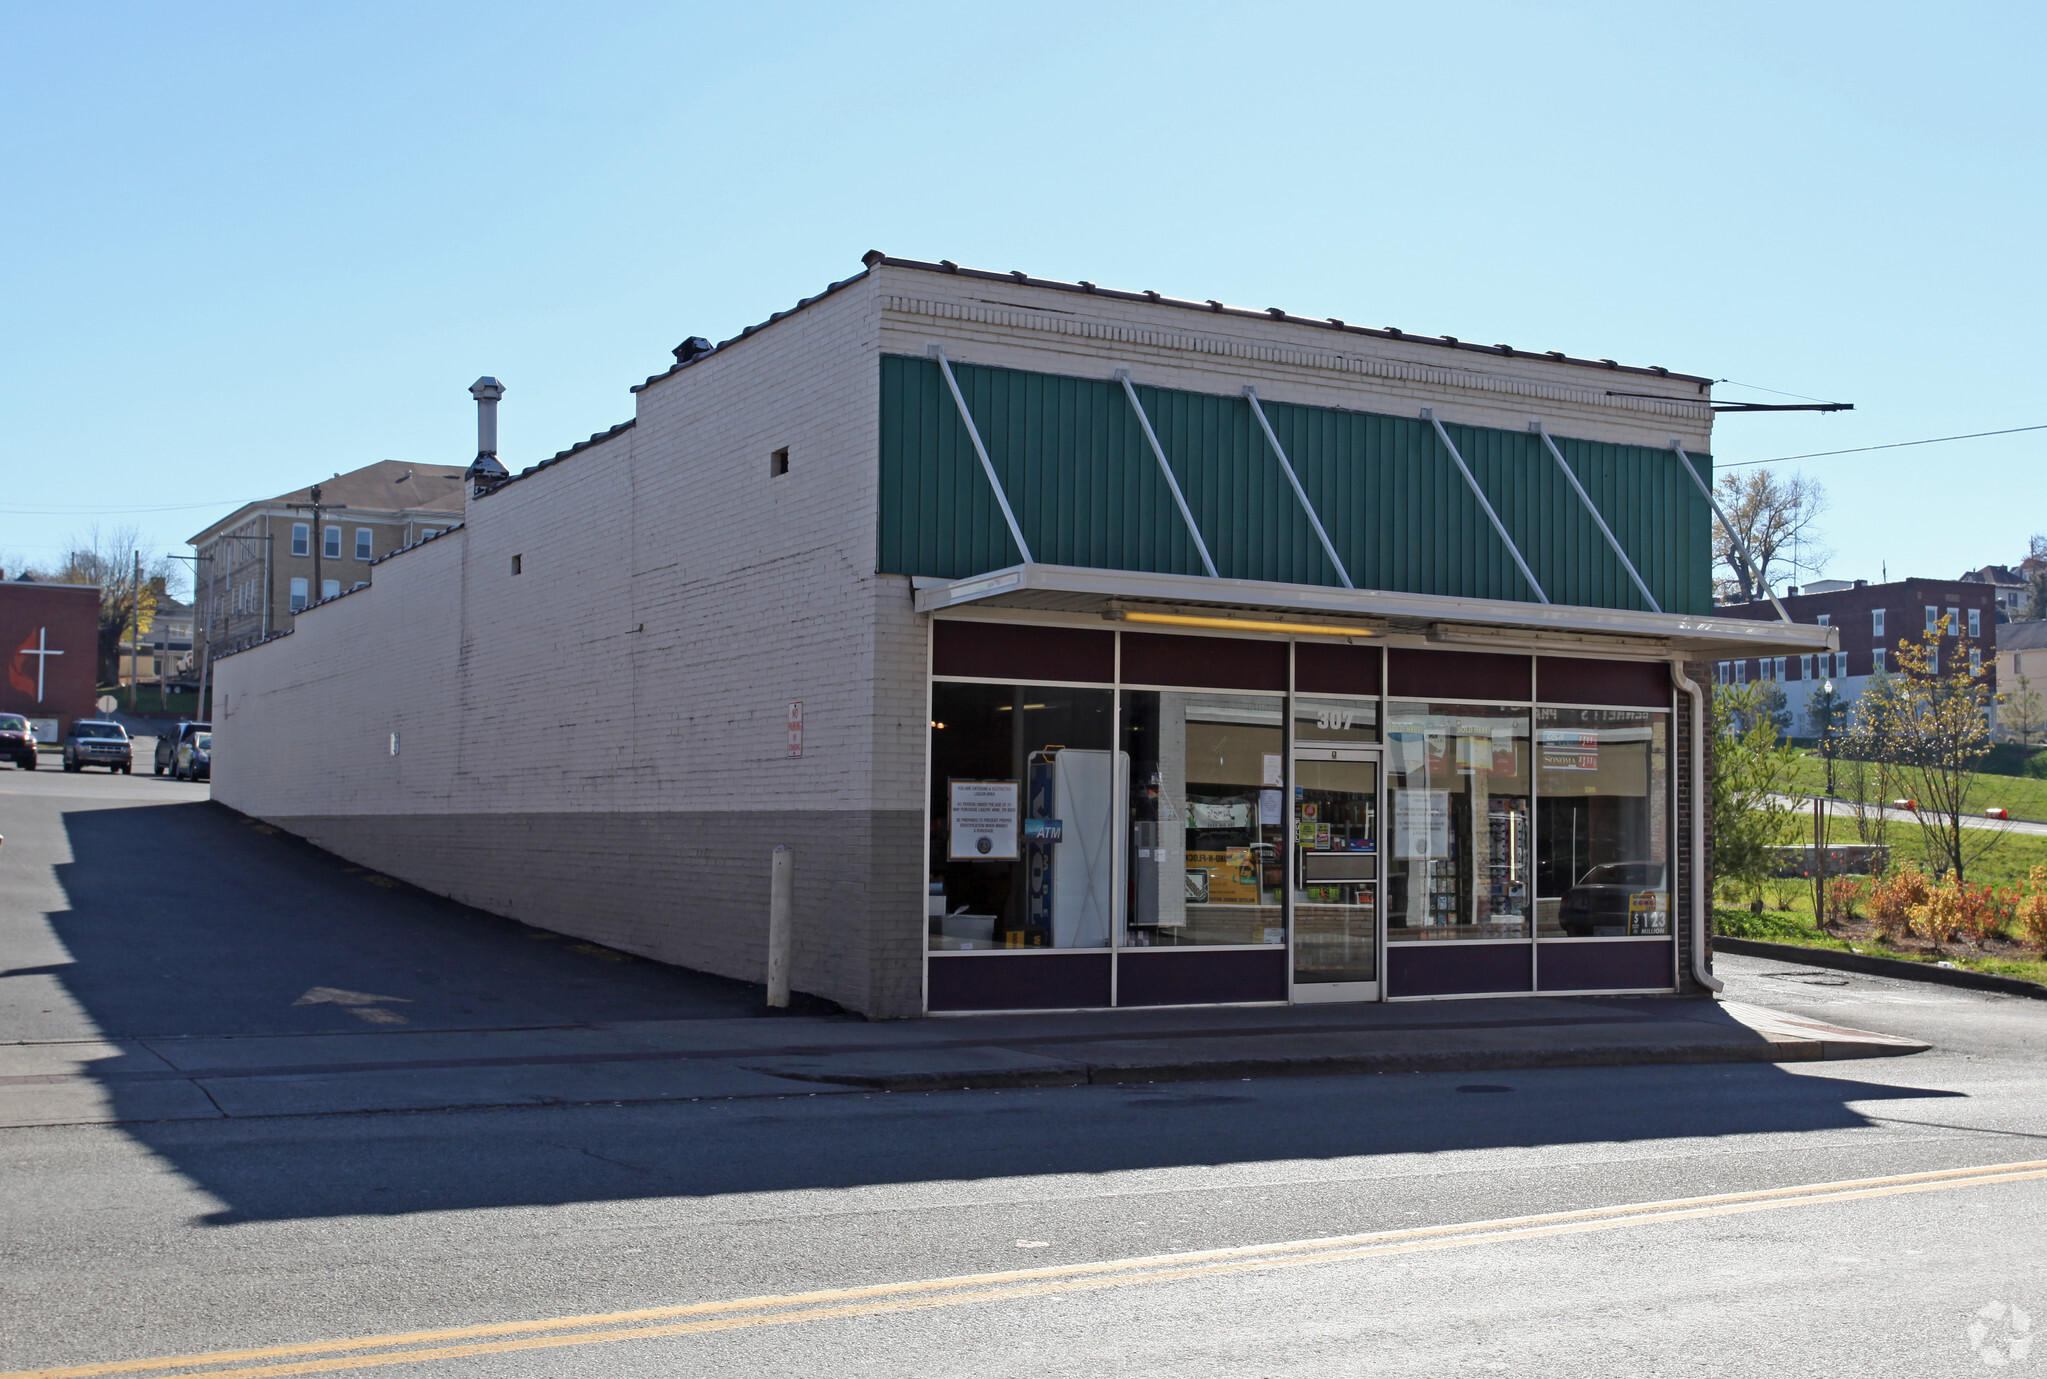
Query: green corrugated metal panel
[[1087, 491]]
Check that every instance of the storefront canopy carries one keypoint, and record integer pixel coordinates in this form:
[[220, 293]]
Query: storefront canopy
[[1317, 609]]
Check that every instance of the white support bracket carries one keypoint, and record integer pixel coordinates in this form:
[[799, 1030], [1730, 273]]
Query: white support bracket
[[1123, 377], [1593, 508], [1733, 536], [1429, 416], [1300, 494], [987, 466]]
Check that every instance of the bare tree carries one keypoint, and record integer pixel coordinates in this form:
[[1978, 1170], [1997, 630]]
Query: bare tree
[[2021, 717], [1933, 725], [107, 559], [1771, 516]]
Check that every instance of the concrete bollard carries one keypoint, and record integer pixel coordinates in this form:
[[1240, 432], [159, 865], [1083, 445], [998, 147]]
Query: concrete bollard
[[781, 904]]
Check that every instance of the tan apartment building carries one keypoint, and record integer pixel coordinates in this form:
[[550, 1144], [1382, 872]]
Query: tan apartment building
[[266, 561], [2022, 673]]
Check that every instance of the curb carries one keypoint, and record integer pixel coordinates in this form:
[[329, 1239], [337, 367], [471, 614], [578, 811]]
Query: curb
[[1243, 1069], [1881, 967]]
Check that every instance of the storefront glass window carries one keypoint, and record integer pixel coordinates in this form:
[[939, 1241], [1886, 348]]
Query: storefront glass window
[[1462, 853], [1602, 830], [1206, 818], [1024, 786]]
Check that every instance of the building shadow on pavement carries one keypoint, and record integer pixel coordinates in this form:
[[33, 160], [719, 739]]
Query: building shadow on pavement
[[304, 1167], [189, 920]]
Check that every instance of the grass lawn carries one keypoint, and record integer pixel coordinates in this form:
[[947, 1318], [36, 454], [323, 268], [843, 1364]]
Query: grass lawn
[[2008, 858], [149, 702], [1789, 916], [2024, 796], [1786, 926]]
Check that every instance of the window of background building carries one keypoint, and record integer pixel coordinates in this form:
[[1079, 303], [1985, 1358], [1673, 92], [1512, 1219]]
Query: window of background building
[[301, 539], [331, 543], [1932, 617], [362, 543], [1207, 818], [1954, 622], [298, 595], [1876, 622], [1462, 850], [329, 588], [1602, 841], [1876, 661], [1826, 620], [1001, 756], [1975, 622], [1975, 661]]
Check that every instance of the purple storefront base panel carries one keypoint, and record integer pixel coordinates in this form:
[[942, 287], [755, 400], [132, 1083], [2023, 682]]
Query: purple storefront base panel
[[1610, 965], [1189, 976], [1019, 981], [1457, 969]]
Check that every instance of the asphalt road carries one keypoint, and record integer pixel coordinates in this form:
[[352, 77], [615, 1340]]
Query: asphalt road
[[129, 907]]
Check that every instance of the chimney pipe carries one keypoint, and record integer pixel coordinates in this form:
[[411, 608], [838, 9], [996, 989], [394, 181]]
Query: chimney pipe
[[485, 472]]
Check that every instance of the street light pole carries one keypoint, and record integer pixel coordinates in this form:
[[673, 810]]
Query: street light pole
[[1827, 733]]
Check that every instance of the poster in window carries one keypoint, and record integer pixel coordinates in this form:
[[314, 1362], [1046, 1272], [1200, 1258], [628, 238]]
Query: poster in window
[[1421, 823], [1570, 749], [984, 820], [1230, 876]]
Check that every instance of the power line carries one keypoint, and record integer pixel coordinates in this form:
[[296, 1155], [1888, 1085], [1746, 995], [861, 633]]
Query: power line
[[1894, 445], [1759, 388], [77, 510]]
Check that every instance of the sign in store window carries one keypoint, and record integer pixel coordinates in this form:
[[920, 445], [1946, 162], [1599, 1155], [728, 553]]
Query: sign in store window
[[984, 820]]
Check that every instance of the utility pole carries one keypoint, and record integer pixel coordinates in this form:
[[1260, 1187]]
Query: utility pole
[[316, 507], [134, 635]]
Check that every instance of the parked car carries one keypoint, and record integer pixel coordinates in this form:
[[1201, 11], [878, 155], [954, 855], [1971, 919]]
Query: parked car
[[1617, 898], [167, 744], [195, 758], [17, 741], [92, 742]]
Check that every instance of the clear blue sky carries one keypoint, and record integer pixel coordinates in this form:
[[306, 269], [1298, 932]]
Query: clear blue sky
[[248, 246]]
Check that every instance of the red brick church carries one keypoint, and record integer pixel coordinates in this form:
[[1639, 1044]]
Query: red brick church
[[49, 638]]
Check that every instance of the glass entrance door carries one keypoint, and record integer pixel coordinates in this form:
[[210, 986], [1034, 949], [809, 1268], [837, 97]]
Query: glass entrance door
[[1335, 874]]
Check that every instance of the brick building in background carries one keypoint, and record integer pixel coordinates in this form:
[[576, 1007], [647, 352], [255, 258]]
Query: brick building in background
[[49, 635], [1871, 620]]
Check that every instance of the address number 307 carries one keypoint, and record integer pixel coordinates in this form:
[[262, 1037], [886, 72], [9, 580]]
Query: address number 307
[[1337, 720]]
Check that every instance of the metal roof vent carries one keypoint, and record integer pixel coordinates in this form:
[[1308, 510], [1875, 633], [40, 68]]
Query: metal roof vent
[[485, 473], [691, 348]]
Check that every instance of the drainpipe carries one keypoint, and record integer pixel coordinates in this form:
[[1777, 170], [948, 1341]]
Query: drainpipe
[[1701, 914]]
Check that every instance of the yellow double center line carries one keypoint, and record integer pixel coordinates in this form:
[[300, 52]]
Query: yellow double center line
[[785, 1309]]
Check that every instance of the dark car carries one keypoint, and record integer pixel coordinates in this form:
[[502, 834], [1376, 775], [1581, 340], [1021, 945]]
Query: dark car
[[1617, 898], [195, 758], [92, 742], [167, 744], [17, 741]]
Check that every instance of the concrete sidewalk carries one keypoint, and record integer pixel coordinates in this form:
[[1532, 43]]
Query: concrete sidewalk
[[82, 1082]]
